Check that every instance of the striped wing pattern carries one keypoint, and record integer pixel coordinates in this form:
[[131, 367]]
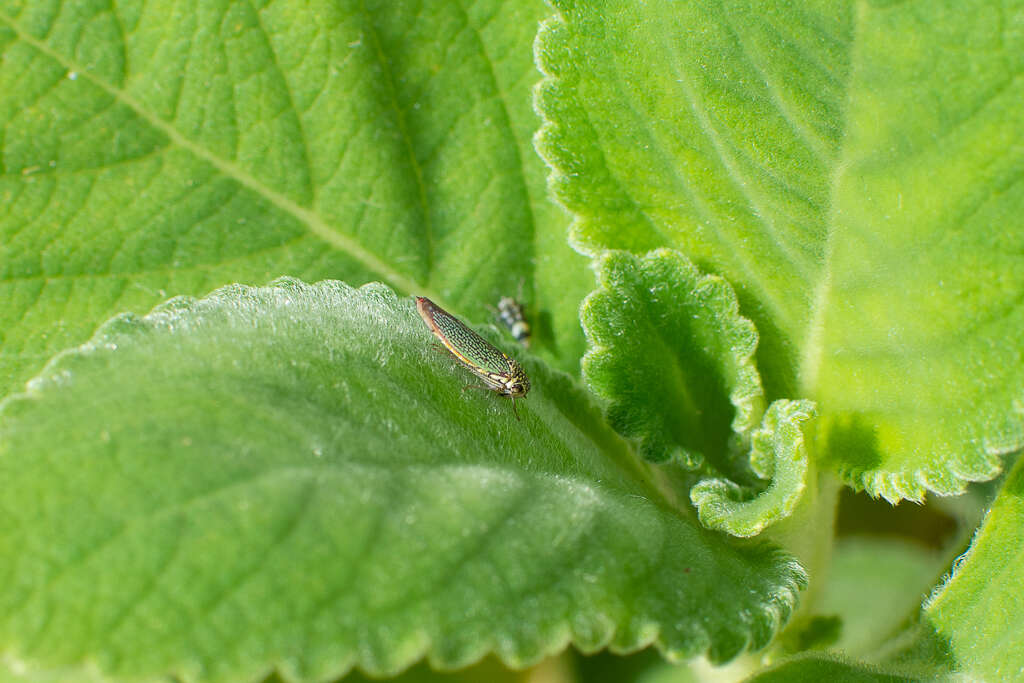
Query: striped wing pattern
[[475, 352]]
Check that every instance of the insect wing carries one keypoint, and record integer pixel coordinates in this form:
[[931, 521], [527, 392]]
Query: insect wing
[[475, 352]]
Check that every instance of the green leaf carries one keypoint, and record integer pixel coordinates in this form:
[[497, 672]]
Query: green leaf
[[821, 667], [670, 352], [153, 149], [876, 586], [673, 358], [292, 477], [778, 454], [979, 612], [853, 170]]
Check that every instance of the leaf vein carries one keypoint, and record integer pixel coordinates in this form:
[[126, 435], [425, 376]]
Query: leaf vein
[[403, 129], [812, 141], [737, 179], [304, 148], [313, 221]]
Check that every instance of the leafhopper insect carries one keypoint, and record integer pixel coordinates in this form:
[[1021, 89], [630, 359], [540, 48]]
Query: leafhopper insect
[[500, 373]]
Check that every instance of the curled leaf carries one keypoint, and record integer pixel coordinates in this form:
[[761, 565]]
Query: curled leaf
[[673, 357], [778, 454], [853, 170]]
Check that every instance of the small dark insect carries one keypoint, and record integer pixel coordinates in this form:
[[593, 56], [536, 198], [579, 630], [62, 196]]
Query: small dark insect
[[510, 312], [501, 374]]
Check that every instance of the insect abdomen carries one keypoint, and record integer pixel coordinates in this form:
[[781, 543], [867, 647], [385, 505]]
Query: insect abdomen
[[511, 315]]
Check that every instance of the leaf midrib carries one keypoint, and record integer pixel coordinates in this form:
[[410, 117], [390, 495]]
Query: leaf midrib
[[812, 348], [316, 225]]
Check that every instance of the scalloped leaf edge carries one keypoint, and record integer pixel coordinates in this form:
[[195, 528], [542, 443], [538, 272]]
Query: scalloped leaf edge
[[753, 630], [778, 453], [949, 477], [746, 396], [546, 94]]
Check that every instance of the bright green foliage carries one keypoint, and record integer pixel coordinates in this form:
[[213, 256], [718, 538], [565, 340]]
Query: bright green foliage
[[793, 208], [979, 613], [671, 353], [853, 171], [777, 454], [291, 476], [158, 148], [673, 358]]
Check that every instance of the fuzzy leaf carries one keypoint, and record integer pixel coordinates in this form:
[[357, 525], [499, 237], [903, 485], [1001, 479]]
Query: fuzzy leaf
[[291, 477], [853, 170], [150, 149], [670, 352], [778, 454], [979, 613], [673, 358]]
